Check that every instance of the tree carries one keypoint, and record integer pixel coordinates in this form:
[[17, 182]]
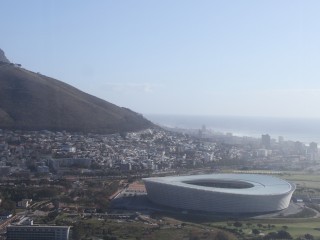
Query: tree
[[8, 205], [271, 235], [248, 224], [282, 234], [308, 236], [221, 236], [255, 231], [237, 224]]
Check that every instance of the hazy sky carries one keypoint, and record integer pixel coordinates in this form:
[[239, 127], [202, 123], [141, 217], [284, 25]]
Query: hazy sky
[[250, 58]]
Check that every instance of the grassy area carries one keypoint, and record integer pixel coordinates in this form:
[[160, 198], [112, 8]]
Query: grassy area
[[307, 180], [303, 176], [295, 228], [167, 229], [303, 179]]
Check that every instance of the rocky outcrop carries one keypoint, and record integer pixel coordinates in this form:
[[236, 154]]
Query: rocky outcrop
[[3, 57]]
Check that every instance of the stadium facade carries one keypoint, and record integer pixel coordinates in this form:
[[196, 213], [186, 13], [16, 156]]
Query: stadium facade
[[221, 193]]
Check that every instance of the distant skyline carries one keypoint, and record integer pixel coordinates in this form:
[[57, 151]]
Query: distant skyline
[[230, 58]]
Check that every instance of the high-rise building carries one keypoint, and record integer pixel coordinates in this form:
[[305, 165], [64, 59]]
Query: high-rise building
[[313, 153], [299, 148], [313, 147], [266, 141]]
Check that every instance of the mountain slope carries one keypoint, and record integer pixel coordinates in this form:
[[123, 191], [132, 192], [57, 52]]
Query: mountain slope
[[3, 57], [32, 101]]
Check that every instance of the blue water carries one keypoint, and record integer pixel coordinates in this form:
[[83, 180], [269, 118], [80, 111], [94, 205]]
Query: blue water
[[296, 129]]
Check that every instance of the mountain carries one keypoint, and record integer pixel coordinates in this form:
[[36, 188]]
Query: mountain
[[31, 101], [3, 57]]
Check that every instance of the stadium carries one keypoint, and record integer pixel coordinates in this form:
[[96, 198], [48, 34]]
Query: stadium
[[221, 193]]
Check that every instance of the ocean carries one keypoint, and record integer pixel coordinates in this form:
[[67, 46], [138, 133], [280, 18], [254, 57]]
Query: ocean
[[295, 129]]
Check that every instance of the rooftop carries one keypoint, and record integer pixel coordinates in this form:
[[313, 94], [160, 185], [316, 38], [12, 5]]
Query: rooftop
[[246, 184]]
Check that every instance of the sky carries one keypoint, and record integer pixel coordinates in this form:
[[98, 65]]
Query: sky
[[223, 58]]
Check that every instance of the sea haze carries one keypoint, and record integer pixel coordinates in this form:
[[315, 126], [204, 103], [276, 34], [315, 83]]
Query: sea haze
[[296, 129]]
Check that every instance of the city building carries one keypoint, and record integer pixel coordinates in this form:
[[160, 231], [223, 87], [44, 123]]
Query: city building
[[24, 203], [221, 193], [313, 153], [280, 139], [266, 141], [37, 232]]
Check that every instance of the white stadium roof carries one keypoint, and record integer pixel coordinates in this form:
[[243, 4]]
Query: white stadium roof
[[225, 193], [260, 184]]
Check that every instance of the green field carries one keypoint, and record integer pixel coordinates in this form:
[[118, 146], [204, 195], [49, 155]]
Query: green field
[[296, 228], [133, 230], [301, 176]]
